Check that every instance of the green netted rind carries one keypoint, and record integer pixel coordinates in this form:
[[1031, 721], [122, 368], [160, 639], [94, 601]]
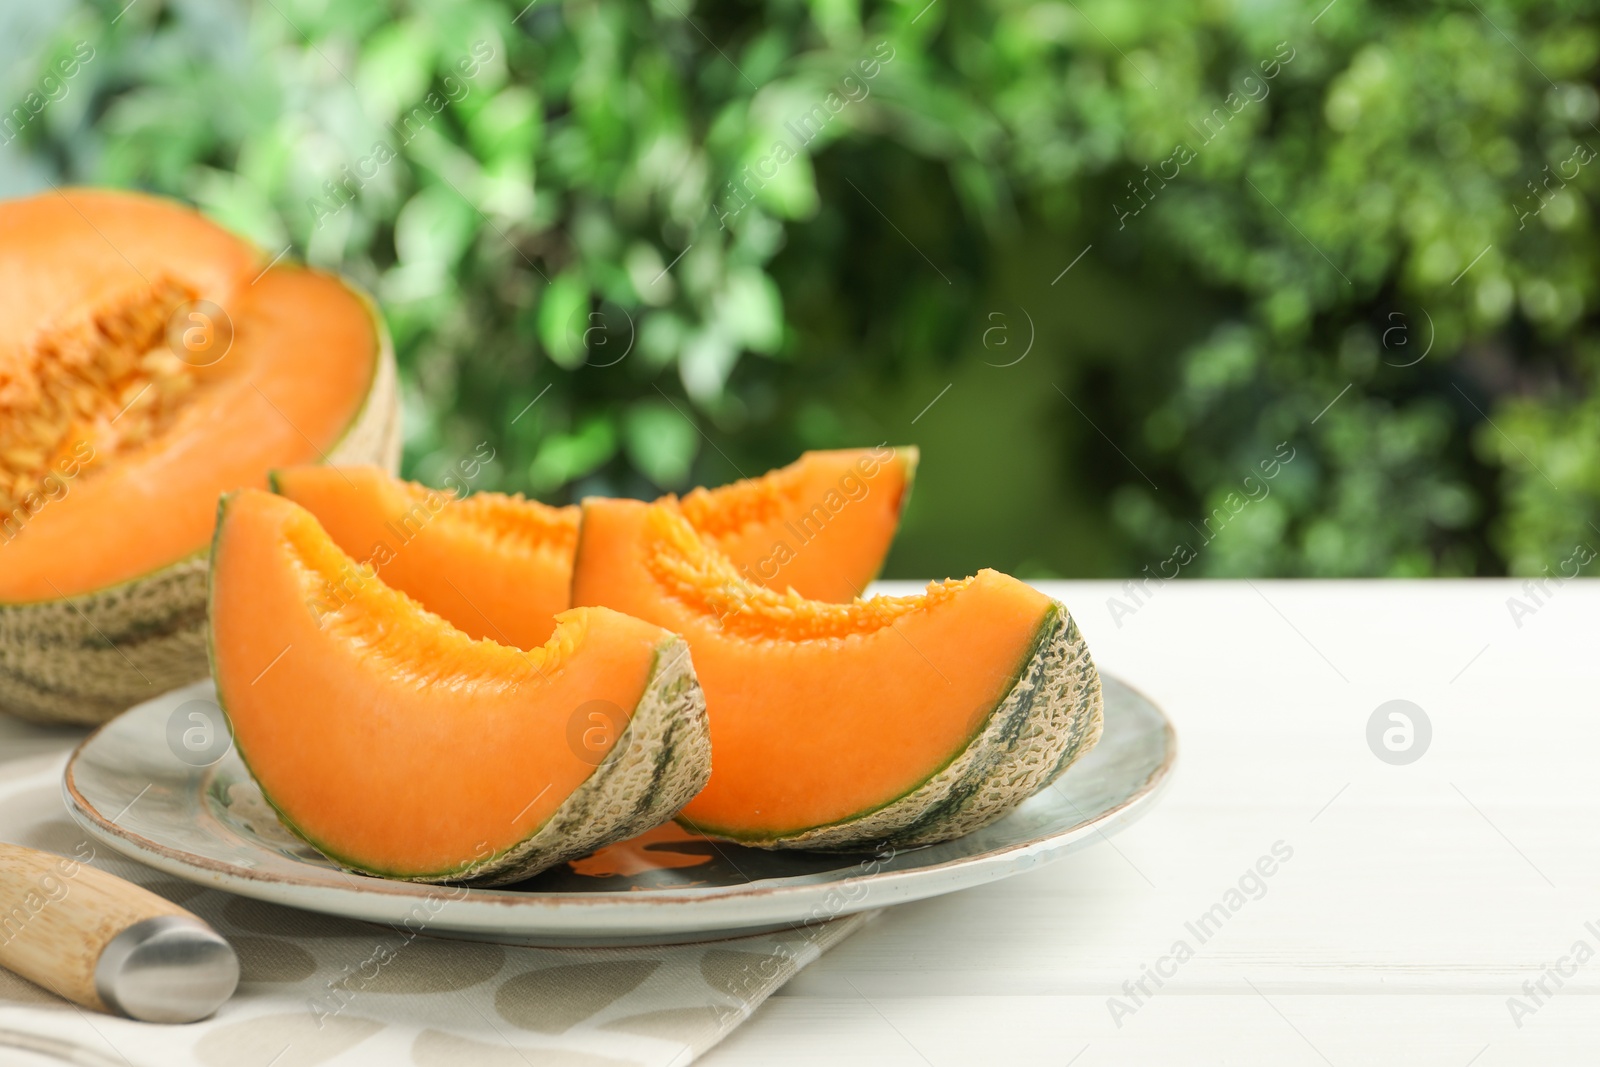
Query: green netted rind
[[658, 764], [1052, 714]]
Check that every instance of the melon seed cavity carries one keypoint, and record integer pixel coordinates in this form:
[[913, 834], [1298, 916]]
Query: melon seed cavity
[[103, 382]]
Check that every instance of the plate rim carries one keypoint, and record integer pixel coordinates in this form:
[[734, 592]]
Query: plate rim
[[629, 907]]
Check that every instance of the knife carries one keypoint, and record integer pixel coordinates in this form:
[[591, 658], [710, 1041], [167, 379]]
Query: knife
[[106, 943]]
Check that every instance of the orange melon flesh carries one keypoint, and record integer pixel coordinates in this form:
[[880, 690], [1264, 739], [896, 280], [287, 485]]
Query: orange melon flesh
[[497, 567], [500, 567], [76, 264], [388, 738], [819, 712], [821, 526]]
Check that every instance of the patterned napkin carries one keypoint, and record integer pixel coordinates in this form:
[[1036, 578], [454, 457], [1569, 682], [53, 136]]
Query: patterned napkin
[[321, 990]]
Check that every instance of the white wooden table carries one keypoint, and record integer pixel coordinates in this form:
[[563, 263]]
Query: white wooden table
[[1418, 898]]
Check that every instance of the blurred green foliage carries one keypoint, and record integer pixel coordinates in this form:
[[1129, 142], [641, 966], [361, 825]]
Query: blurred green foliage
[[620, 251]]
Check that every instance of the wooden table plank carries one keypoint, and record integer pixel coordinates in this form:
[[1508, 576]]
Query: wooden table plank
[[1418, 898]]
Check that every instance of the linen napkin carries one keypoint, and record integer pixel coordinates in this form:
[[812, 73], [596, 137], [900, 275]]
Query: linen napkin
[[317, 989]]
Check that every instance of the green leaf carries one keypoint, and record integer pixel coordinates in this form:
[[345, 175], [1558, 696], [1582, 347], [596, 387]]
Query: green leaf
[[434, 229], [750, 308], [661, 442], [563, 317], [563, 457]]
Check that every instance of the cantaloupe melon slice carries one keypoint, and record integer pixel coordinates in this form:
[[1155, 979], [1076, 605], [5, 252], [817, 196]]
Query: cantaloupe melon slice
[[821, 526], [125, 409], [399, 746], [500, 567], [496, 566], [899, 721]]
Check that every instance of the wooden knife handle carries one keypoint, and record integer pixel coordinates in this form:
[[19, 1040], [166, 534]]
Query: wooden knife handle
[[106, 943]]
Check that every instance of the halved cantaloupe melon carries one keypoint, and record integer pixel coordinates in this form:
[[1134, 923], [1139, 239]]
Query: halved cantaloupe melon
[[497, 567], [896, 720], [820, 526], [500, 566], [148, 361], [399, 746]]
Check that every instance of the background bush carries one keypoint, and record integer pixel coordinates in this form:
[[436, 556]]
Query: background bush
[[1412, 178]]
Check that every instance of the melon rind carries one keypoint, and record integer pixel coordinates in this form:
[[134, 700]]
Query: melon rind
[[656, 767], [1052, 714], [86, 659]]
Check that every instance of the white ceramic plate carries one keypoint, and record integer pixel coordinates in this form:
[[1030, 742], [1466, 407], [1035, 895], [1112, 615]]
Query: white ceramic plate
[[127, 786]]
